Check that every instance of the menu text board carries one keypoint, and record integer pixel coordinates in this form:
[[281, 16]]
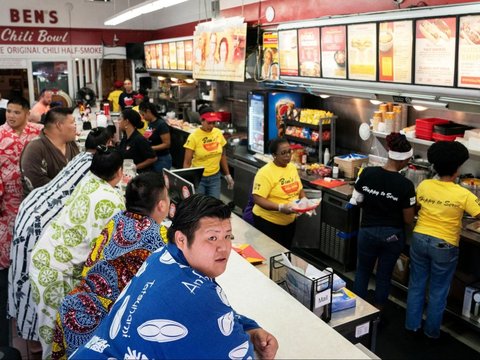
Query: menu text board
[[333, 50], [469, 52], [395, 51], [362, 51], [435, 41]]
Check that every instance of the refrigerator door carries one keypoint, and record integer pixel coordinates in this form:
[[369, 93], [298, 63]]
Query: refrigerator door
[[256, 121]]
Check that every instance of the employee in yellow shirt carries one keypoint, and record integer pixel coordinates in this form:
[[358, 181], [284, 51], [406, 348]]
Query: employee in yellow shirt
[[434, 247], [204, 148], [276, 187], [115, 95]]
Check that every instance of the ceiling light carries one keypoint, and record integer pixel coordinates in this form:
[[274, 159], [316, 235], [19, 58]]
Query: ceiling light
[[189, 81], [174, 79], [161, 78], [423, 104], [376, 102], [324, 96], [140, 9], [420, 107]]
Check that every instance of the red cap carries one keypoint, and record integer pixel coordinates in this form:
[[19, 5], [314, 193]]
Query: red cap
[[210, 117], [138, 96], [118, 84]]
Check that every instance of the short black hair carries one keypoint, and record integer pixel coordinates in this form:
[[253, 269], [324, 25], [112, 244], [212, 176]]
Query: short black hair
[[191, 210], [97, 136], [143, 192], [447, 156], [144, 106], [56, 114], [43, 92], [106, 162], [20, 101], [133, 117], [275, 143]]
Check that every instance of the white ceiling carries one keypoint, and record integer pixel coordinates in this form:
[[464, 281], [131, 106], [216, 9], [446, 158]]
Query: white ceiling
[[88, 14]]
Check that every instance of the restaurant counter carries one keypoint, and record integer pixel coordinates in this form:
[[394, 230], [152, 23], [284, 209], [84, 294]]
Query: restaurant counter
[[300, 333]]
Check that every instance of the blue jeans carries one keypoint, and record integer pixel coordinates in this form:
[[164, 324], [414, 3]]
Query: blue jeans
[[210, 185], [433, 260], [163, 162], [382, 245]]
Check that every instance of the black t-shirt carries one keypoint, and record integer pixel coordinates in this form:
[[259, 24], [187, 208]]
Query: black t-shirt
[[158, 127], [126, 101], [137, 148], [386, 194]]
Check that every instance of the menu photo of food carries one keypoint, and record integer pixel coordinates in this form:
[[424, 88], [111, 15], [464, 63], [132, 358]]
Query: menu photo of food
[[362, 51], [288, 52], [469, 52], [395, 55], [166, 55], [309, 52], [180, 55], [153, 56], [435, 42], [172, 47], [148, 57], [188, 55], [158, 49], [334, 52]]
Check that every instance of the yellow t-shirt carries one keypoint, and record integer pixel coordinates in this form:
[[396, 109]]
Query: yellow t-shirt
[[282, 185], [207, 149], [113, 97], [145, 123], [442, 206]]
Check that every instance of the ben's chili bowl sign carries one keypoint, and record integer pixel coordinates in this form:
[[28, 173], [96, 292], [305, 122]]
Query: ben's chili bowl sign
[[38, 43]]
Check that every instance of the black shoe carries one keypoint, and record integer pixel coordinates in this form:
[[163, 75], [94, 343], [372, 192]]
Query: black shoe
[[415, 335]]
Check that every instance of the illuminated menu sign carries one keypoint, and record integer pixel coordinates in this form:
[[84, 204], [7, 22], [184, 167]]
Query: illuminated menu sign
[[169, 55]]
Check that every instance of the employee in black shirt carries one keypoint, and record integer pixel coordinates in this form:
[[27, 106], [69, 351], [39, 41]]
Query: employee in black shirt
[[158, 134], [133, 145], [388, 202], [126, 99]]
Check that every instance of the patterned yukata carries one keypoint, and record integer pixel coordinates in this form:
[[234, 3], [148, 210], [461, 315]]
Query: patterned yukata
[[58, 257], [170, 311], [34, 214], [119, 251], [11, 191]]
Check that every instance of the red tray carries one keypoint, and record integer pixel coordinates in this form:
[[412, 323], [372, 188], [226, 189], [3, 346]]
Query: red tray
[[328, 184], [441, 137]]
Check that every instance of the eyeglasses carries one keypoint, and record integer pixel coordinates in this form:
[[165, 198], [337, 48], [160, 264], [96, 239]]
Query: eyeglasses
[[105, 149], [285, 152]]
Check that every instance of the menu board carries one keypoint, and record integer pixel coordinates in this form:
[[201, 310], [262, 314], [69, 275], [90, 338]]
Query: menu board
[[180, 55], [189, 55], [435, 42], [309, 52], [288, 53], [173, 55], [333, 51], [158, 49], [149, 62], [362, 51], [469, 52], [270, 70], [166, 55], [395, 55]]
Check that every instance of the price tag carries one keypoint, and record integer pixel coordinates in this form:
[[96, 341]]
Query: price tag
[[362, 329]]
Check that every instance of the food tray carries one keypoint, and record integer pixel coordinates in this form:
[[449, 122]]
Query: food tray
[[450, 129], [424, 127], [441, 137]]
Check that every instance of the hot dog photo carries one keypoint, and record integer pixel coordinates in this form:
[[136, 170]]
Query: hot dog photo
[[435, 30]]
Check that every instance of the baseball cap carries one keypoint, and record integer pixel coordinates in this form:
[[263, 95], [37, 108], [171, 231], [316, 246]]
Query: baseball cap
[[208, 114], [118, 84], [138, 96]]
